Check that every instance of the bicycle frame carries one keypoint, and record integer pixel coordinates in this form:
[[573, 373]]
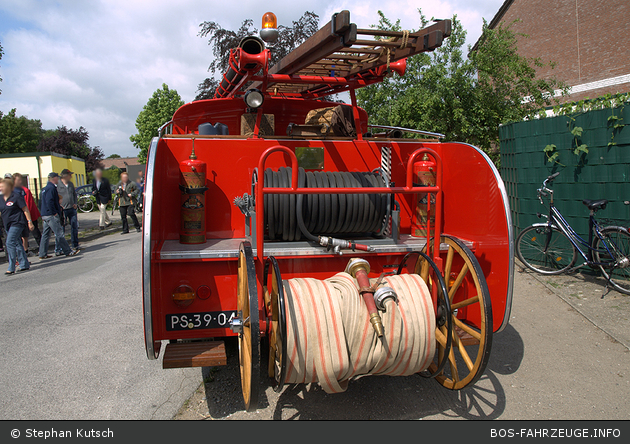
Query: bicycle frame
[[556, 219]]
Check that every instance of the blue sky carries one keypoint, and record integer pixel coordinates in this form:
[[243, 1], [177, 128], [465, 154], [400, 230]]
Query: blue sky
[[95, 63]]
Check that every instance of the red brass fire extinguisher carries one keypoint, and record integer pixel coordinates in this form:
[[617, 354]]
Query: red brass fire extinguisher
[[192, 183], [424, 175]]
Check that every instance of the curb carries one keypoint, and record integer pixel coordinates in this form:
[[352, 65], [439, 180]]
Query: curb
[[87, 235], [553, 290]]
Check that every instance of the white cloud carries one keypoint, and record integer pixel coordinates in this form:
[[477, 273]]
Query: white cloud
[[96, 63]]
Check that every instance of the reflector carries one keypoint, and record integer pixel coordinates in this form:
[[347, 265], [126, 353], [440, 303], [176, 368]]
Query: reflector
[[203, 292], [183, 296]]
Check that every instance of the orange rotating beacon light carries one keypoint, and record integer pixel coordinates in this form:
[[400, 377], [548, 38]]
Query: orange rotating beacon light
[[192, 183]]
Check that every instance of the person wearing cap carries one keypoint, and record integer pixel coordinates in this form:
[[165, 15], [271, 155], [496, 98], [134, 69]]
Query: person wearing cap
[[15, 216], [18, 181], [51, 212], [102, 191], [69, 205]]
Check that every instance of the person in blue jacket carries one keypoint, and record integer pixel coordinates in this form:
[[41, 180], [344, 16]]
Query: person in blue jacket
[[51, 216]]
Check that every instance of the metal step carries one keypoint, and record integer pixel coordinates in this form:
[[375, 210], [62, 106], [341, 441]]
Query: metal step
[[194, 354], [228, 248]]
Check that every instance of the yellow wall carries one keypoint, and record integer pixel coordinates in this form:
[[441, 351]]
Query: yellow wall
[[28, 166], [74, 165]]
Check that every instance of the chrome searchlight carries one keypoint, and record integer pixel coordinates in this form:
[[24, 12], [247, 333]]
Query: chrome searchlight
[[254, 99]]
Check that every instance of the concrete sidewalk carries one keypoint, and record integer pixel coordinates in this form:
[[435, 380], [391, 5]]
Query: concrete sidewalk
[[88, 230], [586, 291]]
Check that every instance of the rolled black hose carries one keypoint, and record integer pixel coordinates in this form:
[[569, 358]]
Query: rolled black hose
[[294, 217]]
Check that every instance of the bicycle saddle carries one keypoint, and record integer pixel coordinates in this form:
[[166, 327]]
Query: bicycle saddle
[[598, 204]]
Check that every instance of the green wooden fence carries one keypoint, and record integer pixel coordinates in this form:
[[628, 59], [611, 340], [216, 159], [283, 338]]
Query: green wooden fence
[[603, 173]]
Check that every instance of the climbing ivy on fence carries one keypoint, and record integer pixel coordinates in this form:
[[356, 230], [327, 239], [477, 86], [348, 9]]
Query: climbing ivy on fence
[[615, 102]]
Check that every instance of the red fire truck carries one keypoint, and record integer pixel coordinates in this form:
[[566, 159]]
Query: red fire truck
[[287, 221]]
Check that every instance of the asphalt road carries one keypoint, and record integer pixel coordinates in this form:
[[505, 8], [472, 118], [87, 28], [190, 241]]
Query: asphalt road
[[71, 347], [71, 340], [551, 362]]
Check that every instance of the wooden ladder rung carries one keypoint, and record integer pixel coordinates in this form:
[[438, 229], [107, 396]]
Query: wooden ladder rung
[[194, 354]]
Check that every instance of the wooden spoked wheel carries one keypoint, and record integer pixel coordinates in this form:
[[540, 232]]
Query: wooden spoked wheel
[[470, 300], [276, 322], [249, 337]]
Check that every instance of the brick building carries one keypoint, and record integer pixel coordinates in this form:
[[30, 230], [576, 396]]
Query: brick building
[[589, 40], [128, 164]]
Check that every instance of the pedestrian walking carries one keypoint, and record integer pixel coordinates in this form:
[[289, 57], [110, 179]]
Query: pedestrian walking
[[69, 205], [102, 190], [15, 217], [140, 181], [51, 216], [6, 176], [20, 186], [127, 192]]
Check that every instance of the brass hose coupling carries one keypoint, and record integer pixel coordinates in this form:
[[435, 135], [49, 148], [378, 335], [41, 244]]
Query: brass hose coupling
[[359, 269]]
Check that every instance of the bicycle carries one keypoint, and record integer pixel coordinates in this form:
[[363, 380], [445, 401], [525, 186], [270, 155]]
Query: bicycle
[[138, 205], [552, 247], [85, 203]]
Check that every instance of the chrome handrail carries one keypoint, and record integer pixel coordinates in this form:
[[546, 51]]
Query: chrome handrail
[[409, 130], [161, 129]]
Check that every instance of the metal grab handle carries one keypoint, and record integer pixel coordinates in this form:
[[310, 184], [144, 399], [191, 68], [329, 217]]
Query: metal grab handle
[[409, 130]]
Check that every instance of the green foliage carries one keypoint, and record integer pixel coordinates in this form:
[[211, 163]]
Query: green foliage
[[552, 153], [222, 40], [19, 134], [465, 98], [582, 148], [112, 174], [611, 101], [70, 142], [616, 103], [615, 122], [158, 110], [113, 156], [24, 135]]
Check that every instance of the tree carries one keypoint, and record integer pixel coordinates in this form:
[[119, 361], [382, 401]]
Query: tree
[[158, 110], [19, 134], [222, 40], [113, 156], [465, 98], [112, 174], [69, 142]]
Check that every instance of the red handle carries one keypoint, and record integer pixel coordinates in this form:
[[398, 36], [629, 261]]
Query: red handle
[[368, 296]]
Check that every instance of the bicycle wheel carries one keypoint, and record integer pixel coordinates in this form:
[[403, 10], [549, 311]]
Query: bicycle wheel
[[544, 250], [614, 254], [85, 204]]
